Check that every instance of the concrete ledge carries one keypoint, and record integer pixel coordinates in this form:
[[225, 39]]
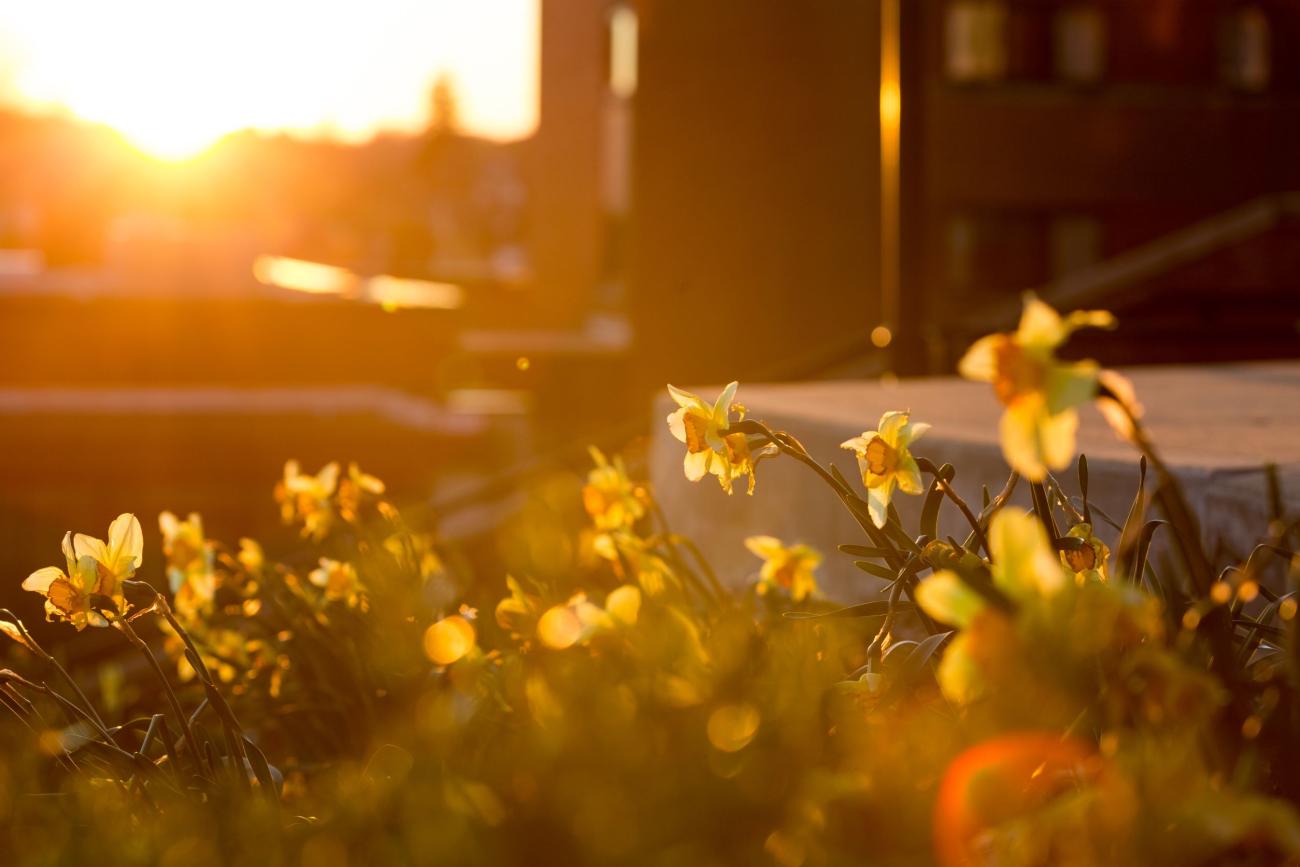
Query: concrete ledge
[[1216, 426]]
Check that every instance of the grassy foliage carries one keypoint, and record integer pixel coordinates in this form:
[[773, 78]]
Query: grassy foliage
[[1035, 693]]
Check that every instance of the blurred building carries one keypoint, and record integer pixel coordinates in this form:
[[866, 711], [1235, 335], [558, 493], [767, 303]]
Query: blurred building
[[812, 179]]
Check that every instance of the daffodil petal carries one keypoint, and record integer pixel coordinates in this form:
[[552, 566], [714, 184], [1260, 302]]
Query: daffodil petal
[[908, 476], [1018, 431], [917, 430], [1041, 327], [764, 546], [891, 424], [685, 399], [89, 546], [722, 406], [948, 599], [696, 465], [1070, 385], [125, 544], [859, 444], [980, 361], [878, 503], [1023, 562], [40, 580]]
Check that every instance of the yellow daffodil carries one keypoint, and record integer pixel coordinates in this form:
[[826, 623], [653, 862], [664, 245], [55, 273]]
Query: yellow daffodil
[[353, 489], [1039, 392], [708, 450], [611, 499], [340, 582], [787, 570], [94, 576], [1088, 563], [250, 556], [1024, 568], [190, 559], [885, 460], [307, 498]]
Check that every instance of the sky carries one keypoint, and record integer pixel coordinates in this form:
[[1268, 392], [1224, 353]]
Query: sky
[[175, 75]]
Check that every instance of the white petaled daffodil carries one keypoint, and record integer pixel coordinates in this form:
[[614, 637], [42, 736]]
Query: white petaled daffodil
[[885, 459], [1040, 392], [700, 425], [94, 576]]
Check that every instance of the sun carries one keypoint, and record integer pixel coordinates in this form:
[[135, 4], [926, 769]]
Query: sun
[[174, 76]]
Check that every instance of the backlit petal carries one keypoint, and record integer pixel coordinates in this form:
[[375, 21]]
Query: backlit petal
[[1018, 432], [980, 362], [948, 599], [878, 503], [891, 424], [696, 464], [125, 544], [1023, 562], [40, 580], [1070, 385]]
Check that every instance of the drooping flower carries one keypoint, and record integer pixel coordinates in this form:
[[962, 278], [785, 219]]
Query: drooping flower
[[611, 499], [190, 559], [1088, 563], [785, 569], [340, 582], [94, 576], [708, 450], [1040, 393], [885, 460], [307, 498]]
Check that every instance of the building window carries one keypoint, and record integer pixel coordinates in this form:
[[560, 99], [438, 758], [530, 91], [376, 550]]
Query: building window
[[1079, 43], [1075, 243], [975, 34], [622, 51], [1244, 49]]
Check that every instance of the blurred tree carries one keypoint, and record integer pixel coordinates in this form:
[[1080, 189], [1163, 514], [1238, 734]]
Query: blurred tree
[[444, 106]]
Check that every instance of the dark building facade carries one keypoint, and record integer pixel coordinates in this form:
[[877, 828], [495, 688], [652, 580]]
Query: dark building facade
[[1039, 138]]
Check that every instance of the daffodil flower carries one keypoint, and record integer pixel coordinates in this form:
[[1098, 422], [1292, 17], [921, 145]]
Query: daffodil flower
[[885, 460], [307, 498], [610, 498], [701, 425], [94, 576], [340, 582], [189, 562], [787, 569], [1039, 392], [1023, 567], [1088, 563], [353, 488]]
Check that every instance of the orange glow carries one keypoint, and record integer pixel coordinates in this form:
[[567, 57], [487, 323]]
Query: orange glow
[[175, 76], [302, 276]]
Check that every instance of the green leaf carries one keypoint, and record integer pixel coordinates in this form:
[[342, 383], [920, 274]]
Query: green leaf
[[876, 608]]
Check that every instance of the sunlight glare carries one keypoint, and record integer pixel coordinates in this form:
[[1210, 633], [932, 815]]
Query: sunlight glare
[[174, 76]]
